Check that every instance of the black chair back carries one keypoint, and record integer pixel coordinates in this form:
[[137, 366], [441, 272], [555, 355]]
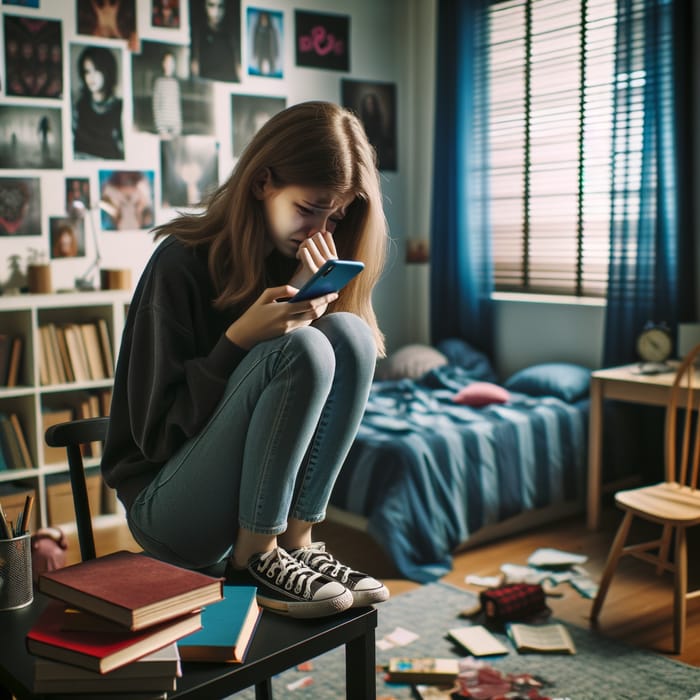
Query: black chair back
[[72, 435]]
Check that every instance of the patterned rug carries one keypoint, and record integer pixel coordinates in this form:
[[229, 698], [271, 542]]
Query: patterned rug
[[602, 669]]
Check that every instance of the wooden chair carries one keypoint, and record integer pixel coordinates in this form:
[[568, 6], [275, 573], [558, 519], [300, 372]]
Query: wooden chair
[[72, 435], [674, 503]]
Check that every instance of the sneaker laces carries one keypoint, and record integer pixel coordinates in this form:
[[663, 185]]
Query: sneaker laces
[[288, 572], [318, 559]]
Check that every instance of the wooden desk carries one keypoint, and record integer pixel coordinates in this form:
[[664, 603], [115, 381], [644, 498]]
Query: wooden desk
[[623, 384], [279, 643]]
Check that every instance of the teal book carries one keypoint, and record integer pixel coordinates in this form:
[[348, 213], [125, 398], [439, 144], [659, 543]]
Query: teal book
[[228, 627]]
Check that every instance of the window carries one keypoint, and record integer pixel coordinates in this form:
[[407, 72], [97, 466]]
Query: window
[[549, 95]]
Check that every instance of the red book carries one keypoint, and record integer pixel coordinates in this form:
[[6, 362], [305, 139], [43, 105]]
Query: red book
[[133, 590], [102, 651]]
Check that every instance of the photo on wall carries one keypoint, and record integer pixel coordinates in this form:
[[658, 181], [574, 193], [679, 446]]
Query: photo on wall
[[77, 190], [265, 29], [31, 137], [96, 75], [166, 101], [248, 114], [215, 40], [375, 105], [108, 19], [33, 57], [190, 170], [322, 40], [66, 237], [20, 206], [165, 14], [126, 199]]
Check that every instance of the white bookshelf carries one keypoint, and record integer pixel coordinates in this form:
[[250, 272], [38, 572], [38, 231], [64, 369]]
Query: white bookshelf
[[22, 315]]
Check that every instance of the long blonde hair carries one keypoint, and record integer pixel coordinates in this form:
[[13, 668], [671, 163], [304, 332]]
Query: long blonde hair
[[311, 144]]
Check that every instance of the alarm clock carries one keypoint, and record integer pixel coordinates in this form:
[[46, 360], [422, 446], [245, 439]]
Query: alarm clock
[[654, 343]]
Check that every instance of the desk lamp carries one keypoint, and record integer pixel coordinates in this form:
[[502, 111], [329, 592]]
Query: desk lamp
[[78, 211]]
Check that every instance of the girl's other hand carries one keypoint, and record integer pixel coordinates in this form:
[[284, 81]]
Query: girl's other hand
[[271, 315], [312, 253]]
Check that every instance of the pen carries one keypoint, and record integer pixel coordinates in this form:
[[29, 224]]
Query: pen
[[4, 527], [26, 513]]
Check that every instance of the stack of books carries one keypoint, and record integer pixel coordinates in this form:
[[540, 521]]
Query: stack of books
[[114, 622]]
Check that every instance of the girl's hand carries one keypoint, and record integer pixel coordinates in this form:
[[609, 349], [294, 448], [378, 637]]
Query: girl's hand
[[312, 253], [271, 316]]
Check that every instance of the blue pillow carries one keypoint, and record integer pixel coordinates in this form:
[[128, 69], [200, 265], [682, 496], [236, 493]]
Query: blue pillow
[[459, 352], [564, 380]]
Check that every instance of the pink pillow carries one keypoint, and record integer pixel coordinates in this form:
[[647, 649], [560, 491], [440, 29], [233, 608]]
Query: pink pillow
[[481, 394]]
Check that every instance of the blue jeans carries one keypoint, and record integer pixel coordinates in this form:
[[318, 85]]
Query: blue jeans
[[272, 449]]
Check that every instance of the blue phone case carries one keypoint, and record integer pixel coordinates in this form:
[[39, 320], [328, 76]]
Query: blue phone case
[[332, 276]]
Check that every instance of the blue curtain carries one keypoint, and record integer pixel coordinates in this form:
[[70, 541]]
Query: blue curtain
[[461, 268], [651, 272]]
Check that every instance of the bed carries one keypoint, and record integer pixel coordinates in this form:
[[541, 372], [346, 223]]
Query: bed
[[446, 451]]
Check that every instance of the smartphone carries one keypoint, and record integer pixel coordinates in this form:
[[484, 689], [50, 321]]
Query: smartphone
[[332, 276]]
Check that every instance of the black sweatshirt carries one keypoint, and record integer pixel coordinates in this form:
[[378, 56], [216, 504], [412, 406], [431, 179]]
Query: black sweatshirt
[[173, 366]]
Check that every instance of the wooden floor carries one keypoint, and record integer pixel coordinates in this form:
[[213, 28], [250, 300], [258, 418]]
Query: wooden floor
[[637, 609]]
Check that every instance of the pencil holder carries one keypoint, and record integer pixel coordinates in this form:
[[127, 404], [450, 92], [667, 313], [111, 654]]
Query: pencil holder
[[16, 572]]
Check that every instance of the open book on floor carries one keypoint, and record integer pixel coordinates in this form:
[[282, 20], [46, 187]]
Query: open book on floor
[[550, 638], [227, 628]]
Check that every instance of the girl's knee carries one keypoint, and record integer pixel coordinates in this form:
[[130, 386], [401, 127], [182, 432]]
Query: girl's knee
[[311, 352], [350, 336]]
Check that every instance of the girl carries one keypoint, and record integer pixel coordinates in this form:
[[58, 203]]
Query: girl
[[97, 116], [233, 409]]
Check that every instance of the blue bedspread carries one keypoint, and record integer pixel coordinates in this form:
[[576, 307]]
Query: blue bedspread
[[427, 472]]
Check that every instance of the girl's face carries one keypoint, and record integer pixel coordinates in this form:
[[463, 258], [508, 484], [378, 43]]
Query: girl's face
[[294, 213], [94, 79]]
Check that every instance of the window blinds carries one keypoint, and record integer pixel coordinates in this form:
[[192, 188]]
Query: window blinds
[[549, 91]]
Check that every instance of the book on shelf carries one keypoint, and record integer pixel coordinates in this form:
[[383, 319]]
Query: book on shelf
[[102, 651], [64, 354], [134, 590], [158, 670], [49, 417], [21, 441], [50, 351], [43, 361], [93, 351], [61, 375], [5, 351], [86, 404], [76, 352], [9, 443], [15, 361], [426, 669], [549, 638], [105, 396], [106, 347], [227, 628], [48, 371], [10, 358]]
